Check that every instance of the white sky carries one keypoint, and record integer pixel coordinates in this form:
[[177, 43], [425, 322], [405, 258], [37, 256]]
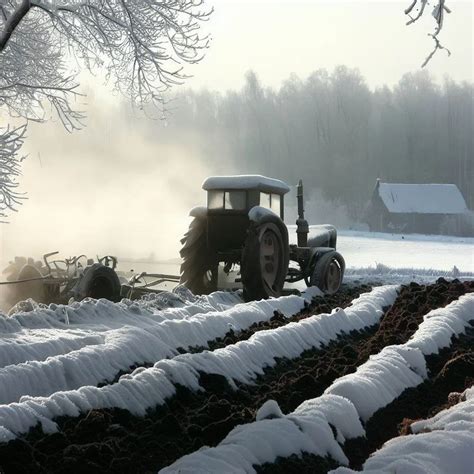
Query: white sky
[[278, 37]]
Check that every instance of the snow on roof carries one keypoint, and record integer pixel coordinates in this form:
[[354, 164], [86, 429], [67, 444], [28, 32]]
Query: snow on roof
[[246, 181], [422, 198]]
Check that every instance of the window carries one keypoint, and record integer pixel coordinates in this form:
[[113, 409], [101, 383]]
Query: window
[[265, 200], [215, 199], [235, 200], [275, 204], [271, 201], [229, 200]]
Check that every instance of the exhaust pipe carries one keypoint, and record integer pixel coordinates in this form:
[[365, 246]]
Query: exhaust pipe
[[302, 227]]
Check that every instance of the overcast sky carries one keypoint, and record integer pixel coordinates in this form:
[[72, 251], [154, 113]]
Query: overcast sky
[[278, 37]]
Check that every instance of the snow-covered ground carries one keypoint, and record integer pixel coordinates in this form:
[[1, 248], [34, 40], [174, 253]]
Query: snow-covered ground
[[53, 360], [58, 378], [352, 398], [439, 445], [49, 350], [370, 256], [425, 252], [378, 257]]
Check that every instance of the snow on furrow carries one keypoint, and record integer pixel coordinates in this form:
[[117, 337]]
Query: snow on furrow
[[386, 375], [34, 345], [263, 441], [146, 388], [245, 360], [443, 443], [103, 314], [59, 329], [128, 345], [374, 385]]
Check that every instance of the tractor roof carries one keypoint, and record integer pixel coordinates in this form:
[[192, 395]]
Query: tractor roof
[[246, 181]]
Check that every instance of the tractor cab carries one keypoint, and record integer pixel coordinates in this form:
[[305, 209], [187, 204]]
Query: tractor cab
[[238, 194], [229, 200]]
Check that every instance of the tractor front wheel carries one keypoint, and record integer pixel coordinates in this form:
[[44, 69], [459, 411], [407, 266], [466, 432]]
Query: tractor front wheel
[[328, 272], [199, 268], [264, 262]]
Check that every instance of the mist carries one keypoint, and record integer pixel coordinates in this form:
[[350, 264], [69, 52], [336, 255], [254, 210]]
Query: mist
[[118, 186], [338, 134], [124, 184]]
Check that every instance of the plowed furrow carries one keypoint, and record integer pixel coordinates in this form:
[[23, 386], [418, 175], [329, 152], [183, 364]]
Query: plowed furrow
[[114, 440]]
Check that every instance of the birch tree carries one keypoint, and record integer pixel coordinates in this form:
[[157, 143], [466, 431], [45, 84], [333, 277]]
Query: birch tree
[[141, 46]]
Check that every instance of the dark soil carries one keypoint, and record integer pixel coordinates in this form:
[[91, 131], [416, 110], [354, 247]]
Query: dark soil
[[451, 372], [304, 464], [114, 440], [319, 305]]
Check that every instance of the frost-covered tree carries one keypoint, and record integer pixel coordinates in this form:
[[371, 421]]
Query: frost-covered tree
[[140, 45], [10, 144]]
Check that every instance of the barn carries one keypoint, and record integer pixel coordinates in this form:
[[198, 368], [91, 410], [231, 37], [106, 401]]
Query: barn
[[416, 208]]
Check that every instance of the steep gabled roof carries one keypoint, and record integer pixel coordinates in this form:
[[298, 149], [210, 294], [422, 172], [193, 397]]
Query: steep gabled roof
[[422, 198]]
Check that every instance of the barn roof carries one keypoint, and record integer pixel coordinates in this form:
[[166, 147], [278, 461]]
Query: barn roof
[[422, 198]]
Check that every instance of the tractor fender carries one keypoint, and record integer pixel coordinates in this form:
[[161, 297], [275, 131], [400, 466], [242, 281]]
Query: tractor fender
[[198, 212], [317, 253], [324, 235], [259, 215]]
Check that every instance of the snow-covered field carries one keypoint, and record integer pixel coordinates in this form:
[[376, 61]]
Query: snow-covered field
[[406, 255], [153, 357], [350, 400], [383, 258]]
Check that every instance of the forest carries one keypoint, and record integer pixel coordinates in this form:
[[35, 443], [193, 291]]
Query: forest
[[334, 131]]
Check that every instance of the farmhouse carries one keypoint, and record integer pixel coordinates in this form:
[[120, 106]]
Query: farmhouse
[[416, 208]]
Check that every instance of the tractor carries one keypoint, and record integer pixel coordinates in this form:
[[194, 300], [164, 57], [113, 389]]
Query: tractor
[[243, 225]]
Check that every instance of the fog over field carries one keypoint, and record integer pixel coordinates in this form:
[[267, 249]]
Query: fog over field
[[113, 187], [328, 91]]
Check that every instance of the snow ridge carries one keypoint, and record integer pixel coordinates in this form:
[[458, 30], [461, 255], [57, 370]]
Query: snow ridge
[[387, 374], [351, 398], [118, 349], [306, 429], [245, 360], [145, 388], [443, 443]]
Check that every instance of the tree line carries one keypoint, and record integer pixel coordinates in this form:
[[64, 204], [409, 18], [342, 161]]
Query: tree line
[[335, 132]]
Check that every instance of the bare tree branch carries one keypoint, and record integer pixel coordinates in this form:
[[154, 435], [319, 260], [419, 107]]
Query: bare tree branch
[[439, 10], [140, 44], [437, 46]]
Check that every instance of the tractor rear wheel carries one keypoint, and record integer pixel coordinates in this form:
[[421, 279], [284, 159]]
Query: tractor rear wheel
[[199, 268], [328, 272], [264, 262]]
